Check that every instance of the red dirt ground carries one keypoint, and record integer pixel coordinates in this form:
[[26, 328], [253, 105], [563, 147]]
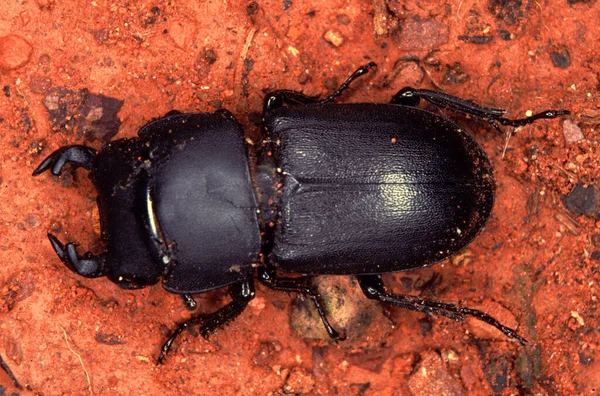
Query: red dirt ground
[[535, 265]]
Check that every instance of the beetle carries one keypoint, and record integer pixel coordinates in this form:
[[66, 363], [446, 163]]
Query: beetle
[[356, 189]]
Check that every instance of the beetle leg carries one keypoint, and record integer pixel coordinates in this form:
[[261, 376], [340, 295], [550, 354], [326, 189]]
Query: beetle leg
[[88, 265], [241, 294], [547, 114], [77, 156], [280, 98], [364, 69], [373, 287], [411, 97], [277, 99], [269, 278]]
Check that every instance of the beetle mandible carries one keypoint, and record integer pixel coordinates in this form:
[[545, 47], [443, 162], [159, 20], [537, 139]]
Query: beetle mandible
[[360, 189]]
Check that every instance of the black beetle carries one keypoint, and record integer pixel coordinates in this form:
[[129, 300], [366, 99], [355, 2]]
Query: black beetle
[[360, 189]]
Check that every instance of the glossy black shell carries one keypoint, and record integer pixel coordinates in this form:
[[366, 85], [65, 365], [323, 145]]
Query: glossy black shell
[[373, 188], [177, 202]]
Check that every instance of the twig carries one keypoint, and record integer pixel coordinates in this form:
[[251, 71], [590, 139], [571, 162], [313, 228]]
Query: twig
[[87, 375], [508, 136]]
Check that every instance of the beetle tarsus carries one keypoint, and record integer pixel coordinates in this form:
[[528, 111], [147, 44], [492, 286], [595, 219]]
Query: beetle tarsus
[[88, 265], [374, 288], [76, 155], [241, 293], [364, 69], [547, 114], [269, 278]]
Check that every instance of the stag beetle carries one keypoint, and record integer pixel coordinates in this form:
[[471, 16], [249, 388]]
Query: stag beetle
[[360, 188]]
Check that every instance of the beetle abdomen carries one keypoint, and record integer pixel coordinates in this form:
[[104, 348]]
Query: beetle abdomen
[[370, 188]]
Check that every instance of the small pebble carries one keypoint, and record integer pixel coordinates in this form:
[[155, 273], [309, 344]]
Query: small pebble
[[572, 132], [334, 37], [39, 85], [33, 221], [299, 381], [431, 377], [14, 52]]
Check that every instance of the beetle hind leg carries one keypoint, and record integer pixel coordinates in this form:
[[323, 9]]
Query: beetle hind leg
[[77, 156], [269, 278], [373, 287], [88, 265], [241, 294]]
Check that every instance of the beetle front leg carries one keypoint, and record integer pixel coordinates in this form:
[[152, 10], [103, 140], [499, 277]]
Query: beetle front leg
[[241, 294], [77, 156], [280, 98], [269, 278], [373, 287], [277, 99]]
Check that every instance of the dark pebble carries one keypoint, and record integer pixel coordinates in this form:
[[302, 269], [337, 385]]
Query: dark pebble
[[304, 78], [108, 339], [596, 255], [210, 56], [585, 359], [343, 19], [476, 39], [561, 58], [252, 8], [44, 60], [216, 103], [331, 84], [583, 200], [505, 35], [87, 114], [6, 90], [425, 325]]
